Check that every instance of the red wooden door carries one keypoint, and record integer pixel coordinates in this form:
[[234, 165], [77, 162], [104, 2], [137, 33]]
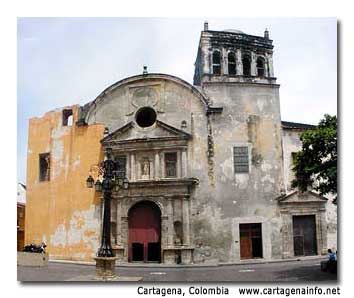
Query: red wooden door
[[144, 232], [251, 241]]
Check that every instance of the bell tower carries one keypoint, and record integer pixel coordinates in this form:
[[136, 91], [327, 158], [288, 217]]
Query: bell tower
[[233, 56]]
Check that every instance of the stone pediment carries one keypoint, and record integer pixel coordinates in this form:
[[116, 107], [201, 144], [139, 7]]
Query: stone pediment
[[297, 197], [131, 132]]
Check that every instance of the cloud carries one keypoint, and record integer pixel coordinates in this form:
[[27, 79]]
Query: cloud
[[64, 61]]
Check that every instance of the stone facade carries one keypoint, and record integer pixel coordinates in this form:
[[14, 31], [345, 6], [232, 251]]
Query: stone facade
[[211, 157]]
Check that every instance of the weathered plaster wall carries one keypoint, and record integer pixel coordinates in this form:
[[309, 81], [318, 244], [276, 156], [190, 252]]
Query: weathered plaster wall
[[292, 144], [250, 117], [62, 212], [331, 218]]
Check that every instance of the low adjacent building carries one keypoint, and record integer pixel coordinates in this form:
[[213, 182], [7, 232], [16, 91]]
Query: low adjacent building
[[21, 214]]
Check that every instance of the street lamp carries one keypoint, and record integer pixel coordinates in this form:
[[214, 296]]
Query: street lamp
[[112, 180]]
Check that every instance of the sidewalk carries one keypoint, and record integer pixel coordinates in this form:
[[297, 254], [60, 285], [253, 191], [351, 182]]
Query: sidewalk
[[198, 265]]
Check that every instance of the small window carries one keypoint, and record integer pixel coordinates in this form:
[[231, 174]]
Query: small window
[[183, 124], [68, 117], [171, 164], [216, 62], [44, 167], [246, 63], [121, 162], [231, 63], [260, 67], [241, 160]]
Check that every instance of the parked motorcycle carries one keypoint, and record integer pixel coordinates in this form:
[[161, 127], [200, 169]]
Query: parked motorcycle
[[35, 248]]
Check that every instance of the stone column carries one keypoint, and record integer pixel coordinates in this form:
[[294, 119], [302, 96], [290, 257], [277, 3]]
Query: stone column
[[162, 166], [321, 230], [266, 74], [224, 62], [152, 169], [285, 234], [124, 236], [184, 164], [132, 167], [186, 224], [253, 64], [164, 230], [113, 221], [170, 229], [270, 65], [119, 222], [127, 173], [205, 57], [157, 165], [138, 173], [239, 66], [179, 165]]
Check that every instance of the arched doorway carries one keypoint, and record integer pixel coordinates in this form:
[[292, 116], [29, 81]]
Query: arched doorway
[[144, 222]]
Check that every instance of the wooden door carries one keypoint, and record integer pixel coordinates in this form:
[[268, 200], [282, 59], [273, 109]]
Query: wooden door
[[251, 241], [144, 242], [304, 233]]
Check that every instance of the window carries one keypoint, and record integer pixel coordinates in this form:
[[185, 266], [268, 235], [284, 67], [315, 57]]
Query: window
[[216, 62], [231, 63], [241, 163], [260, 67], [293, 157], [171, 164], [121, 166], [246, 62], [145, 117], [44, 167], [68, 117]]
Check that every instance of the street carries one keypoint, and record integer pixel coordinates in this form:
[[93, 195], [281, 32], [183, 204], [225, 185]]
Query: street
[[294, 271]]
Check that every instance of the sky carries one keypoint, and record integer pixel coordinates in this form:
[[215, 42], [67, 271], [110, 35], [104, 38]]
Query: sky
[[66, 61]]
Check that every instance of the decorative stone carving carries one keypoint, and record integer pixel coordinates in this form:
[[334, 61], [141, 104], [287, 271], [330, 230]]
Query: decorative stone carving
[[151, 95]]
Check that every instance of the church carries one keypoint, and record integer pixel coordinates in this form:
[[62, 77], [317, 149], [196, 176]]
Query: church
[[208, 166]]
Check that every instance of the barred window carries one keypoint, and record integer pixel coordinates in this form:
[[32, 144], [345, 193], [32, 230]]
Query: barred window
[[121, 166], [171, 164], [241, 162]]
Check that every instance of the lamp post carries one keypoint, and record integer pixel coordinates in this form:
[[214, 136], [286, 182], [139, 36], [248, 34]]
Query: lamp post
[[113, 179]]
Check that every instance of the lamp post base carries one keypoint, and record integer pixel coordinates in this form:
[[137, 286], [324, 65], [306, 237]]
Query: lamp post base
[[105, 268]]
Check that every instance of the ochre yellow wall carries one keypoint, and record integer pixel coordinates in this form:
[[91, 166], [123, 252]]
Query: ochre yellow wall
[[63, 212]]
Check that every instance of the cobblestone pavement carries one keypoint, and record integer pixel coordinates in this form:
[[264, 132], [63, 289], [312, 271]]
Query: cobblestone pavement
[[296, 271]]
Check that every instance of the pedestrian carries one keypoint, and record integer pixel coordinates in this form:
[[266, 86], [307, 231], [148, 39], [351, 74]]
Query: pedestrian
[[332, 262], [331, 256]]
